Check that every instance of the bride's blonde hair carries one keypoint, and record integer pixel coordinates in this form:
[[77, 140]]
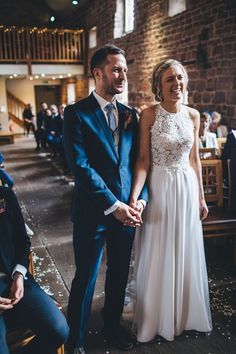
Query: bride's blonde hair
[[157, 75]]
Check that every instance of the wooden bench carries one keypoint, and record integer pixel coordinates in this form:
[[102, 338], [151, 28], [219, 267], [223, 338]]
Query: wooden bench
[[6, 137]]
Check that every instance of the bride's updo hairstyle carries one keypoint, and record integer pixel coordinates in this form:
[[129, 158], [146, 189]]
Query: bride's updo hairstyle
[[157, 75]]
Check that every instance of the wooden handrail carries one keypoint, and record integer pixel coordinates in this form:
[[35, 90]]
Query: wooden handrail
[[15, 108], [41, 45], [13, 97]]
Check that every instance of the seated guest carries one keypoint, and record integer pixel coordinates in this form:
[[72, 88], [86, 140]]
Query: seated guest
[[206, 139], [216, 127], [22, 302], [55, 134]]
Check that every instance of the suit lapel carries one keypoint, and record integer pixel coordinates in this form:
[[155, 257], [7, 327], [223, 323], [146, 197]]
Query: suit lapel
[[124, 134], [101, 120]]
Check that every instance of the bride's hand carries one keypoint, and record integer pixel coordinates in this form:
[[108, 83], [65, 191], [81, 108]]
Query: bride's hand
[[138, 206], [203, 209]]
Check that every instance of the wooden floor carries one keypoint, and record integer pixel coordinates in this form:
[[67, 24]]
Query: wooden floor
[[45, 198]]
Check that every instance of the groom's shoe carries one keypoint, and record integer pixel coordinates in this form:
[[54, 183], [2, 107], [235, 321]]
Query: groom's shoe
[[78, 350], [121, 338]]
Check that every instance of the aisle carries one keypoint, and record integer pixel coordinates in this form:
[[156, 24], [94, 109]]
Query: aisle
[[45, 195]]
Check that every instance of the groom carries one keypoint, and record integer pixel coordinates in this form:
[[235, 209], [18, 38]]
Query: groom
[[100, 137]]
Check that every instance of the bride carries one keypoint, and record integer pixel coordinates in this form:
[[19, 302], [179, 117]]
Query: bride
[[171, 277]]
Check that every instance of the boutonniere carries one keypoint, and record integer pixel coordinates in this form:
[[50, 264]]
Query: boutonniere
[[128, 119], [3, 206]]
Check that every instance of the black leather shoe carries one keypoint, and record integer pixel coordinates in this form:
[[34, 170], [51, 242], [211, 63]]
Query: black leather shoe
[[121, 339]]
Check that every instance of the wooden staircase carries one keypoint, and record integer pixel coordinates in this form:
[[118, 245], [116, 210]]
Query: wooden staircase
[[15, 110]]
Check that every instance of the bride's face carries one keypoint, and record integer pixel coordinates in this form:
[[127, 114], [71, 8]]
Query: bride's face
[[173, 84]]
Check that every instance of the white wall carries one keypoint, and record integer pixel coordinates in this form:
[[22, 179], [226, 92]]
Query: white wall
[[24, 88], [3, 106]]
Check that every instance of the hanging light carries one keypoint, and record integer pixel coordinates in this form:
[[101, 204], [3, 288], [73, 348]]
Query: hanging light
[[75, 2]]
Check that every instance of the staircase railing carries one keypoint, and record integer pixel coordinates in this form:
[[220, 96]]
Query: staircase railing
[[15, 109], [41, 45]]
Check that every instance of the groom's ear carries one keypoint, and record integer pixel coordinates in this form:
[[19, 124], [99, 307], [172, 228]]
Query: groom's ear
[[97, 74]]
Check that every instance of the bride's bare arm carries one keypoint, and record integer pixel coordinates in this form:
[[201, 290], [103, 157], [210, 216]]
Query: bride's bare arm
[[196, 163], [144, 153]]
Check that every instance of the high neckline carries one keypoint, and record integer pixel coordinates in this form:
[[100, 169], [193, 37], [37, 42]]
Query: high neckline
[[170, 113]]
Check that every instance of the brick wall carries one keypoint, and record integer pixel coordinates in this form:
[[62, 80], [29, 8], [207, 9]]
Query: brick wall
[[202, 37]]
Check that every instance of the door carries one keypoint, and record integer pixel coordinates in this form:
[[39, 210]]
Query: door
[[49, 94]]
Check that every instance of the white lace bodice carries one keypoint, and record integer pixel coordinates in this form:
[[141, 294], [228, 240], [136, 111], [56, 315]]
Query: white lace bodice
[[171, 138]]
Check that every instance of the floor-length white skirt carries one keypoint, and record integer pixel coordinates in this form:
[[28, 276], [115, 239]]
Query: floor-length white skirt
[[171, 278]]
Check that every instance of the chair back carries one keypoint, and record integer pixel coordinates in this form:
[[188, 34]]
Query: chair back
[[212, 181], [207, 153]]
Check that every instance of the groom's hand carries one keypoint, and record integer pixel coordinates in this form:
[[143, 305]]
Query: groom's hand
[[127, 215]]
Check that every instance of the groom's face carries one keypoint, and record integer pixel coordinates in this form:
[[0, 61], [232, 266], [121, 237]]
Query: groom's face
[[113, 75]]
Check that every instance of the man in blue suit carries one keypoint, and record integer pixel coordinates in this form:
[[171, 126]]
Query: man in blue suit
[[100, 137]]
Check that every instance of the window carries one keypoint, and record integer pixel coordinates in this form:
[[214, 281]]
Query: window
[[176, 7], [71, 93], [124, 17], [93, 37], [129, 15]]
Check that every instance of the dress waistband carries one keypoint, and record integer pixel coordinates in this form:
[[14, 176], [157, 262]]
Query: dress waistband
[[172, 168]]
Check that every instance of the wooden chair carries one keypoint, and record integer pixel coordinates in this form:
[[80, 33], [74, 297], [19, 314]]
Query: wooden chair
[[208, 153], [212, 181], [18, 338]]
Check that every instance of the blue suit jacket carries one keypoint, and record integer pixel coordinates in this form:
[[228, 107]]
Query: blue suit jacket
[[103, 175], [14, 241]]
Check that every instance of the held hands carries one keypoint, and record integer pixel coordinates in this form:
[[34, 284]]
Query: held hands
[[127, 215], [203, 209]]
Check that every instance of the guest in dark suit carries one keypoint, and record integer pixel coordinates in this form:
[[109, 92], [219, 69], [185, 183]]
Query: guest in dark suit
[[229, 153], [100, 137], [40, 132], [55, 135], [229, 146], [22, 302]]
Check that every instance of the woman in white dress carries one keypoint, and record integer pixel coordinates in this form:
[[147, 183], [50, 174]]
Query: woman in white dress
[[171, 277]]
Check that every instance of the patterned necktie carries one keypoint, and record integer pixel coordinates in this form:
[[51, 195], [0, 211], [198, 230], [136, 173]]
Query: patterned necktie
[[111, 117]]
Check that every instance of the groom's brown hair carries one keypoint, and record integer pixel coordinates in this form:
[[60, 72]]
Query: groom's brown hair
[[99, 58]]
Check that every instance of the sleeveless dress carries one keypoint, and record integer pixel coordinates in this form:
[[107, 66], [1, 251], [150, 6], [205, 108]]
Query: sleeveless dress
[[170, 270]]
